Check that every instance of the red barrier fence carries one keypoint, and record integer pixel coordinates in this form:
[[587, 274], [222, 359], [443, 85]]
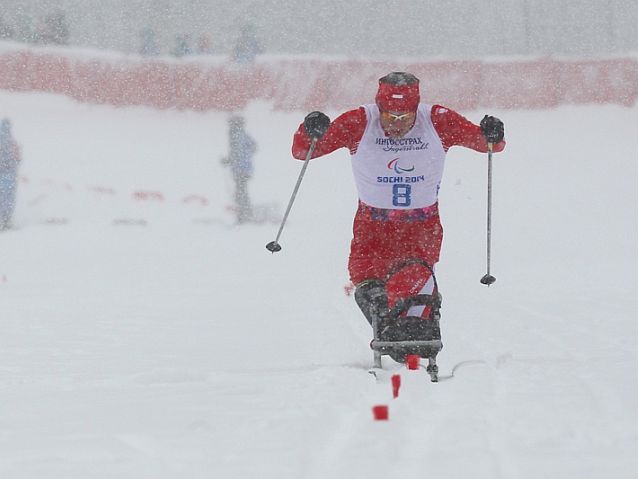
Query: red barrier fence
[[310, 84]]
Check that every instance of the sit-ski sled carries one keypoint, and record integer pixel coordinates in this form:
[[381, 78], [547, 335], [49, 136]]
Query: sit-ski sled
[[408, 335], [400, 349]]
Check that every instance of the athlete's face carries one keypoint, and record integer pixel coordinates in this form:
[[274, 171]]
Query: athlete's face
[[396, 124]]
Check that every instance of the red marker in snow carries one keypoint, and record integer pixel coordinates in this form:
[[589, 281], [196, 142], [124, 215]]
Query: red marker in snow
[[412, 361], [396, 384], [380, 412]]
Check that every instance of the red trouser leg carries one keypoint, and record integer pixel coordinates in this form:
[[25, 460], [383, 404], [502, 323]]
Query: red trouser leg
[[407, 282], [380, 246]]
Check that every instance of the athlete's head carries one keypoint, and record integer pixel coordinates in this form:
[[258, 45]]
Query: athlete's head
[[236, 121], [398, 98], [398, 91]]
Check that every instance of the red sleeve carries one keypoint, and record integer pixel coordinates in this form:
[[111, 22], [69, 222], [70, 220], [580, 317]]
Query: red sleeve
[[345, 131], [456, 130]]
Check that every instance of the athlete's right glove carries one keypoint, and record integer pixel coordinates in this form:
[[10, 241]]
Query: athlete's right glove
[[316, 124], [493, 129]]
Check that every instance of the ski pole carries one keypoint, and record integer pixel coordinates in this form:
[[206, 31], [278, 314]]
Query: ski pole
[[488, 279], [274, 246]]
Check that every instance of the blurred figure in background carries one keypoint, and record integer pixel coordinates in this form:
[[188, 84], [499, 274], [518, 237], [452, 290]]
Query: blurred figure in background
[[247, 47], [54, 29], [182, 46], [6, 31], [148, 47], [9, 160], [24, 29], [242, 148], [204, 45]]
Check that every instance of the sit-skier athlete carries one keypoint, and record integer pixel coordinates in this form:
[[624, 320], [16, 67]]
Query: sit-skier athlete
[[398, 147]]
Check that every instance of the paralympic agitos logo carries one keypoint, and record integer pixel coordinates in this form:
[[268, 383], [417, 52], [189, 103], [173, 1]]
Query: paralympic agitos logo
[[394, 165]]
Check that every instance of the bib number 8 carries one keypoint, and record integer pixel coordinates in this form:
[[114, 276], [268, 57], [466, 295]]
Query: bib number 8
[[401, 195]]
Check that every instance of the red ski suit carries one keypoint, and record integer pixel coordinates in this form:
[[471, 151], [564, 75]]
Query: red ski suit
[[384, 239]]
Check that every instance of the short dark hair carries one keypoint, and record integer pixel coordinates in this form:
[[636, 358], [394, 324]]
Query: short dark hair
[[399, 79]]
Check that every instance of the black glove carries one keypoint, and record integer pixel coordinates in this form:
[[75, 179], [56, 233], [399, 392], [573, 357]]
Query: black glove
[[316, 124], [493, 129]]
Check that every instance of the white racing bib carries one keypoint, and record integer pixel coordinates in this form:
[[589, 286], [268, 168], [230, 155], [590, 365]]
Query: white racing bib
[[399, 173]]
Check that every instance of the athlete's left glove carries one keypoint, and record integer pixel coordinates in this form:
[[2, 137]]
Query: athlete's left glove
[[493, 129], [316, 124]]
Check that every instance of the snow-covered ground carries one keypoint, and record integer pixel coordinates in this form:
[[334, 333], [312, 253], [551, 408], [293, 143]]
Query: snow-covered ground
[[152, 338]]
